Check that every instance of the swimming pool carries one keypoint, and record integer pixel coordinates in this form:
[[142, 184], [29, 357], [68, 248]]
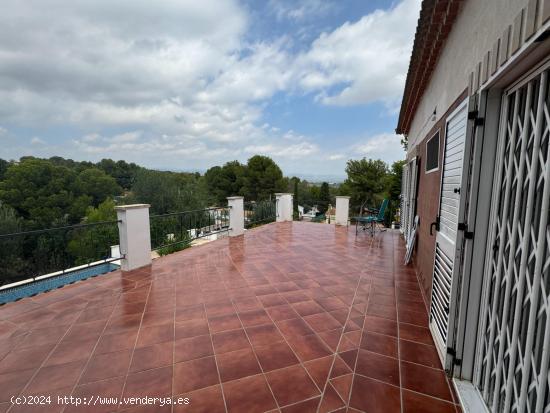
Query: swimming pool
[[47, 284]]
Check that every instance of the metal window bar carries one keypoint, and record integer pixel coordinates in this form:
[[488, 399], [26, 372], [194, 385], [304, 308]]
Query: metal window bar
[[258, 213], [180, 228], [513, 361], [27, 255]]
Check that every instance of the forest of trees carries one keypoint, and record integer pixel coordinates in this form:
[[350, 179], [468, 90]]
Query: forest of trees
[[40, 193], [56, 192], [53, 192]]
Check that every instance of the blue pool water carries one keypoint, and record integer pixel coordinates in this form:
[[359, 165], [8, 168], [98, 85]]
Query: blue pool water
[[40, 286]]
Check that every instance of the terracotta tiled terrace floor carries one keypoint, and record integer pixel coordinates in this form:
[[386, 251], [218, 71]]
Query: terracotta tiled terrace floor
[[292, 317]]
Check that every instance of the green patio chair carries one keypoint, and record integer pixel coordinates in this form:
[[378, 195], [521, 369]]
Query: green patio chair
[[373, 218], [319, 218]]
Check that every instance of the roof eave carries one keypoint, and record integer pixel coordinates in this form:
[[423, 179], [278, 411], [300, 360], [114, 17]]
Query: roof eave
[[434, 25]]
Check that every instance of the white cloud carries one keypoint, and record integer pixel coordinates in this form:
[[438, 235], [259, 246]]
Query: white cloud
[[3, 131], [336, 157], [265, 70], [124, 142], [37, 141], [180, 78], [296, 151], [172, 146], [62, 60], [366, 60], [299, 10], [385, 146], [126, 137], [92, 137]]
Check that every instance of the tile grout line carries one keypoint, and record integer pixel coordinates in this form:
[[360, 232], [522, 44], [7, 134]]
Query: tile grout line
[[173, 341], [277, 326], [255, 356], [300, 362], [212, 293], [284, 338], [398, 333], [299, 401], [418, 364], [47, 357], [370, 253], [409, 390], [211, 333], [20, 338], [214, 354], [93, 350], [248, 338], [137, 338]]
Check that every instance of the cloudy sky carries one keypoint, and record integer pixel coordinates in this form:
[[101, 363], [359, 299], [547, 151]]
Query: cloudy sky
[[187, 84]]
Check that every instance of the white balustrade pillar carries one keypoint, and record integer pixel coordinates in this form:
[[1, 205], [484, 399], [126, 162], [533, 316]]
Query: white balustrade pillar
[[236, 215], [342, 210], [115, 253], [284, 207], [135, 235]]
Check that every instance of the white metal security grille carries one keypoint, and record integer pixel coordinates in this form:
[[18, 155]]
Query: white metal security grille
[[512, 365], [446, 238]]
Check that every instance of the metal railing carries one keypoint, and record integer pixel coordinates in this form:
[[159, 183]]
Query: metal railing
[[258, 213], [31, 254], [175, 231]]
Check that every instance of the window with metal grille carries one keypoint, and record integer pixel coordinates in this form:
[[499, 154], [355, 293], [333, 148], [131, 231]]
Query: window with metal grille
[[513, 359], [432, 153]]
